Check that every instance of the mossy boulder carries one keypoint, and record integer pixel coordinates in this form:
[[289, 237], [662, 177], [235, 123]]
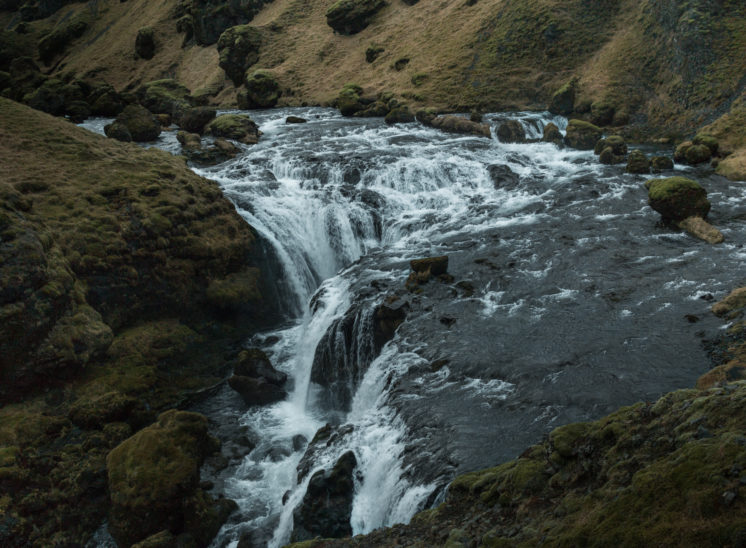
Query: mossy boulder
[[55, 43], [452, 124], [582, 135], [677, 198], [239, 49], [119, 131], [262, 91], [638, 162], [602, 113], [352, 16], [238, 127], [707, 140], [348, 101], [194, 120], [48, 97], [552, 134], [661, 163], [615, 142], [399, 115], [105, 101], [165, 96], [511, 131], [377, 109], [140, 123], [154, 479], [145, 43], [698, 154], [607, 157], [563, 100], [679, 155]]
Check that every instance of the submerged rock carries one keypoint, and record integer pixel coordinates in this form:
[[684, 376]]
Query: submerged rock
[[327, 506], [295, 120], [582, 135], [677, 198], [615, 142], [502, 176], [352, 16], [423, 270]]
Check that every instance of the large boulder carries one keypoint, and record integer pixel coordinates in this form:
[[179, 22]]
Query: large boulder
[[582, 135], [697, 154], [117, 130], [661, 163], [563, 100], [145, 43], [352, 16], [235, 126], [638, 162], [348, 101], [262, 91], [105, 101], [256, 391], [552, 134], [707, 140], [677, 198], [511, 131], [194, 120], [615, 142], [239, 49], [399, 115], [154, 482], [165, 96], [140, 123], [327, 505], [452, 123]]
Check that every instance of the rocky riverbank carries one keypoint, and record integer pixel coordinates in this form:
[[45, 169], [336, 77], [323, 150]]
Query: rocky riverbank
[[127, 284]]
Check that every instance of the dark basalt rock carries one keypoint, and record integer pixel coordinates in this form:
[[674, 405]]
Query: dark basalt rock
[[255, 363], [195, 119], [327, 506], [145, 43], [56, 42], [452, 124], [256, 391], [117, 130], [615, 142], [238, 127], [502, 176], [352, 16], [295, 120], [552, 134], [239, 49], [372, 53], [210, 18], [661, 163], [511, 131]]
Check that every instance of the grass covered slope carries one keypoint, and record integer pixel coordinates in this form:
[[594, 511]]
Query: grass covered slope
[[125, 281]]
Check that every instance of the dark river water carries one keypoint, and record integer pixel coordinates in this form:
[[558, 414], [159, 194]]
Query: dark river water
[[568, 300]]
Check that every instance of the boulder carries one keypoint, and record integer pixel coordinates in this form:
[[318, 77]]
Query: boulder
[[582, 135], [78, 111], [154, 481], [452, 123], [400, 115], [327, 505], [638, 162], [145, 43], [165, 96], [677, 198], [348, 101], [195, 119], [211, 18], [262, 91], [105, 101], [423, 270], [511, 131], [256, 391], [679, 156], [552, 134], [502, 176], [254, 363], [48, 97], [189, 140], [563, 100], [25, 77], [140, 123], [697, 154], [707, 140], [377, 109], [239, 49], [352, 16], [117, 130], [602, 113], [607, 157], [238, 127], [699, 228], [661, 163], [615, 142], [295, 120]]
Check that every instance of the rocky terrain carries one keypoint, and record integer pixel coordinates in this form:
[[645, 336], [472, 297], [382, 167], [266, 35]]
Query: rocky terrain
[[128, 282]]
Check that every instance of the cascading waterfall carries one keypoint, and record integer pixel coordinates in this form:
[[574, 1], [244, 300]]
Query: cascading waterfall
[[566, 302]]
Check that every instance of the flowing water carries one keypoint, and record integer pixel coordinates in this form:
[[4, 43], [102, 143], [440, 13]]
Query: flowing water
[[568, 299]]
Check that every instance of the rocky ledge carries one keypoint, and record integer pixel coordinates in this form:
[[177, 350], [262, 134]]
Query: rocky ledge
[[127, 283]]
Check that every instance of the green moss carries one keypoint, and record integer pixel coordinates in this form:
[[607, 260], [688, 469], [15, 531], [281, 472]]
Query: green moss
[[235, 291], [565, 438], [661, 189]]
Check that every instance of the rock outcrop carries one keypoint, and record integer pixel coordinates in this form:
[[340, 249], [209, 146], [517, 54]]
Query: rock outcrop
[[352, 16], [239, 49], [262, 91]]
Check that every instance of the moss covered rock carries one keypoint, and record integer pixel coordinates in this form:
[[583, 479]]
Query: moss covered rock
[[677, 198], [154, 479], [511, 131], [145, 43], [165, 97], [679, 155], [638, 162], [697, 154], [661, 163], [709, 141], [194, 120], [452, 124], [399, 115], [348, 101], [239, 49], [602, 113], [119, 131], [563, 100], [238, 127], [352, 16], [582, 135], [552, 134], [49, 97], [262, 91], [140, 123], [615, 142]]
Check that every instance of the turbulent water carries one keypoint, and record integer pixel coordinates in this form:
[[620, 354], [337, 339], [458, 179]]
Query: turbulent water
[[568, 299]]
